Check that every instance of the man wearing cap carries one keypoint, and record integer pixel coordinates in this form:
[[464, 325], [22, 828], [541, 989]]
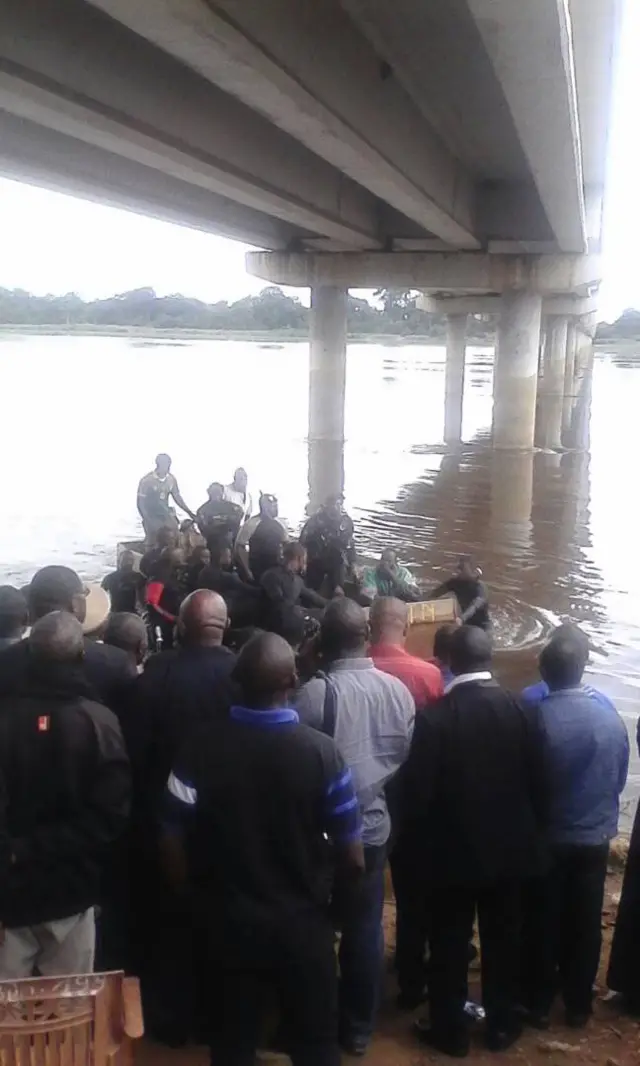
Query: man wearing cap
[[155, 491], [57, 588], [328, 538]]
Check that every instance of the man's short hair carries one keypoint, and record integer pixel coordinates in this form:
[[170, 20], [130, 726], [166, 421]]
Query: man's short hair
[[125, 630], [56, 638], [563, 660], [14, 610], [53, 589], [470, 650], [293, 549]]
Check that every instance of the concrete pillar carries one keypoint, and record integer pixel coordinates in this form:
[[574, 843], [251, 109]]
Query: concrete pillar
[[551, 387], [454, 378], [515, 373], [569, 378], [327, 383]]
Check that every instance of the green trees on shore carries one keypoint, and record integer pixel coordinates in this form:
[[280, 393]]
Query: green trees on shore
[[396, 312]]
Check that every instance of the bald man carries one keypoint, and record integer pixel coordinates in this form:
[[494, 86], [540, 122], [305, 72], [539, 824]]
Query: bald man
[[65, 783], [389, 622], [179, 690], [250, 805]]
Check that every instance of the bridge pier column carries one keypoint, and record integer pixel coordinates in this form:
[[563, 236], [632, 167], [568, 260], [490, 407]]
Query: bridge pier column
[[515, 379], [327, 385], [454, 378], [569, 379], [551, 387]]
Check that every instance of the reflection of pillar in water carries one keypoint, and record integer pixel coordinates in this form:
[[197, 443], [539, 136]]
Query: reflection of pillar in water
[[569, 378], [454, 377], [578, 433], [551, 386], [511, 499], [327, 383]]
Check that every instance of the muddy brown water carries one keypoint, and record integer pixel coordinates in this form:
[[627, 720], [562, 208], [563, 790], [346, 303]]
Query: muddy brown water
[[555, 535]]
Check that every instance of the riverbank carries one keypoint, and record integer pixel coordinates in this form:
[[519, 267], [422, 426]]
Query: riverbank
[[169, 335]]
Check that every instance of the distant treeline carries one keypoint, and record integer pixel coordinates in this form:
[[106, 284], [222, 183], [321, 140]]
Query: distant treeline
[[625, 328], [272, 310], [395, 312]]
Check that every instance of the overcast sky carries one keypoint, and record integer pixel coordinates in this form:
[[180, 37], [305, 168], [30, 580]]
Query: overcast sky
[[55, 243]]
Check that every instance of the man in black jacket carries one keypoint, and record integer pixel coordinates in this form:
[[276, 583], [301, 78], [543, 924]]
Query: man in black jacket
[[107, 670], [475, 808], [64, 799], [285, 595]]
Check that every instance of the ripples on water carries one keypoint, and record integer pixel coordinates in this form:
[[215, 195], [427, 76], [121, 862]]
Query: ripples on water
[[554, 535]]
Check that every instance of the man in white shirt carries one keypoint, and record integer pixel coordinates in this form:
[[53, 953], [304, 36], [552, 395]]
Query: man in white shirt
[[238, 493]]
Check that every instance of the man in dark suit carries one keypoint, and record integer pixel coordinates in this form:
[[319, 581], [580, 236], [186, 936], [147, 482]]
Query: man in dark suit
[[475, 806], [108, 670], [179, 691]]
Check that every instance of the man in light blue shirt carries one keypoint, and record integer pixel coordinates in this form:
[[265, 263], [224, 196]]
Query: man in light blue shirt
[[587, 759], [370, 715]]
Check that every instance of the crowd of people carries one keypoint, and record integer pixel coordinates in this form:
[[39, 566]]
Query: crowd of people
[[217, 817]]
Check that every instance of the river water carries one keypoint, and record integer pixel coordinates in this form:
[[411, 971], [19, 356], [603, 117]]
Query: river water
[[555, 536]]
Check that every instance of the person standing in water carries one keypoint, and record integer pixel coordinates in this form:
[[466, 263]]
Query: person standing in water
[[238, 493], [155, 490], [125, 586], [331, 553], [219, 519], [470, 592]]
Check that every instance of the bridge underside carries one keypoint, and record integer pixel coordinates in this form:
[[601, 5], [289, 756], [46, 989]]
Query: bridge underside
[[346, 125]]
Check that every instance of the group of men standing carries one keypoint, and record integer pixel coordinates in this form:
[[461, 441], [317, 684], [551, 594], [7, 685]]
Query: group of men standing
[[232, 812]]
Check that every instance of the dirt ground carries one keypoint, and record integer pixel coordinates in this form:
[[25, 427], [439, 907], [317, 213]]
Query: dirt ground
[[609, 1040]]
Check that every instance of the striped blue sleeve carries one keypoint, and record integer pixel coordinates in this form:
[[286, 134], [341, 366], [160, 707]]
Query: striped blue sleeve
[[180, 798], [342, 812]]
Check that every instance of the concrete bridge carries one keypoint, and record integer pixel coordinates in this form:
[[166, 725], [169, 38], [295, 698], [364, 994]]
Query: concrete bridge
[[458, 148]]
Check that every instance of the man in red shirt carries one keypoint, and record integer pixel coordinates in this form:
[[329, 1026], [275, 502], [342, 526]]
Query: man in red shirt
[[388, 620]]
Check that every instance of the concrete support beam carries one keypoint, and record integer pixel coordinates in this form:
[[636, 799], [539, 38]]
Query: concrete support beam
[[569, 380], [551, 386], [470, 272], [72, 71], [571, 306], [38, 156], [282, 59], [327, 386], [454, 378], [516, 370], [525, 52]]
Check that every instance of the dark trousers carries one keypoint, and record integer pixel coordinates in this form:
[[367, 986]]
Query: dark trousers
[[297, 964], [413, 912], [562, 934], [454, 909], [362, 951], [624, 965]]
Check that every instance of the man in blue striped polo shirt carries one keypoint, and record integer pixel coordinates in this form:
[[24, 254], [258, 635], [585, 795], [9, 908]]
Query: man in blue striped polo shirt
[[261, 817]]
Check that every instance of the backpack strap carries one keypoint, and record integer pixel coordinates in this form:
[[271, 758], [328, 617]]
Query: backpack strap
[[330, 706]]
